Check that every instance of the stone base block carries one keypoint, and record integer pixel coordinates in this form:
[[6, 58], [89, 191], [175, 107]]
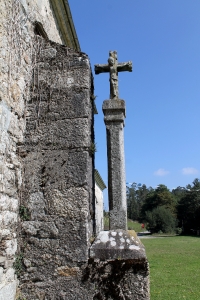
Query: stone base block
[[118, 266], [114, 110]]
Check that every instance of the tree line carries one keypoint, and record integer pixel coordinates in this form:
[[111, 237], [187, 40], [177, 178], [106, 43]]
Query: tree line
[[163, 210]]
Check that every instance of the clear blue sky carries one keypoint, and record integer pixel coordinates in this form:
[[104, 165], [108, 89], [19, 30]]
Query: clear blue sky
[[162, 94]]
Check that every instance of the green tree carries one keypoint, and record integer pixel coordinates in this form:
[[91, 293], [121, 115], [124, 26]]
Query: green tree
[[136, 195], [161, 196], [188, 208], [178, 193], [141, 194], [132, 205], [160, 219]]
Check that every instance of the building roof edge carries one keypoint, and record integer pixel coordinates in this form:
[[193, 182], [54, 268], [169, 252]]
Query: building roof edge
[[65, 23], [99, 181]]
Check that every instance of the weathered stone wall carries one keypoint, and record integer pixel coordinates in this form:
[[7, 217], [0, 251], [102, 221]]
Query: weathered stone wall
[[16, 50], [57, 191], [41, 11]]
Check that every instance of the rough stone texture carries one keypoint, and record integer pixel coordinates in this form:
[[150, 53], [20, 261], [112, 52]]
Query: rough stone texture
[[118, 267], [17, 46], [114, 114], [41, 11], [57, 192], [117, 244]]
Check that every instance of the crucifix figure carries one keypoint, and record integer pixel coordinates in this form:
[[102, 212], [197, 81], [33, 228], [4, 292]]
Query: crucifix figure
[[113, 67], [114, 115]]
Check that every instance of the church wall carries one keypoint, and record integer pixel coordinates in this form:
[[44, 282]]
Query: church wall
[[57, 190], [41, 11], [17, 48]]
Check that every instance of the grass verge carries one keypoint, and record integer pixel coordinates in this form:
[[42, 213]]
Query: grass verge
[[174, 267], [134, 225], [131, 225]]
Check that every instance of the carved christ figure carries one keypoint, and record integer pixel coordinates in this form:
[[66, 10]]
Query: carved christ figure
[[112, 61], [113, 68]]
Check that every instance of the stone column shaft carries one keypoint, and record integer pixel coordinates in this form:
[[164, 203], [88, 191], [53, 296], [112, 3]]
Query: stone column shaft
[[114, 115]]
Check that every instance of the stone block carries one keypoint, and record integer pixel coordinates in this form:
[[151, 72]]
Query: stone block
[[40, 229], [10, 275], [114, 105], [71, 203], [8, 290], [47, 251], [47, 171], [71, 103], [9, 219], [48, 53], [114, 111], [117, 244], [118, 267], [8, 179], [5, 116], [11, 247], [53, 136], [8, 203], [1, 274]]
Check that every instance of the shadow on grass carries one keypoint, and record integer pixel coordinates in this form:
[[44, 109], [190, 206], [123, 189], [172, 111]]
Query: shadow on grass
[[191, 235]]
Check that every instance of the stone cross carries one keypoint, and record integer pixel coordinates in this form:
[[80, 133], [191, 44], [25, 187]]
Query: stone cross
[[114, 115], [113, 68]]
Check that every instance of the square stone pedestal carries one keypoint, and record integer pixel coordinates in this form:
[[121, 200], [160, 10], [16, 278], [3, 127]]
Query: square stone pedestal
[[118, 266]]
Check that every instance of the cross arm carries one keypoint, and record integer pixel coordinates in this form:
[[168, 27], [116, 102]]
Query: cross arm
[[127, 66], [101, 69]]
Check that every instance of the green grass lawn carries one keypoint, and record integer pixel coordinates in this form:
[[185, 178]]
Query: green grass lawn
[[106, 223], [131, 225], [174, 267]]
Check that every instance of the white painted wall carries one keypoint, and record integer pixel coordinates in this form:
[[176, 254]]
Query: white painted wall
[[99, 209]]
